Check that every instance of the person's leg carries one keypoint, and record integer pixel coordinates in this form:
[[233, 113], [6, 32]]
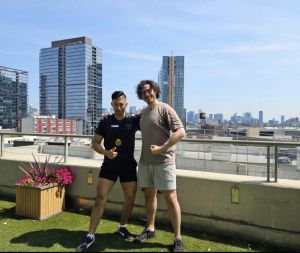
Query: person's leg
[[129, 190], [151, 206], [170, 197], [103, 188], [145, 180]]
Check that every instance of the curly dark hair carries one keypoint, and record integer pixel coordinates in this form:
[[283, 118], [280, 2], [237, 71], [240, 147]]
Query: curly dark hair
[[153, 85]]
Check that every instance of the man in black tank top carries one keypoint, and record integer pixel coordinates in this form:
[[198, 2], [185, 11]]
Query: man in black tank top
[[118, 131]]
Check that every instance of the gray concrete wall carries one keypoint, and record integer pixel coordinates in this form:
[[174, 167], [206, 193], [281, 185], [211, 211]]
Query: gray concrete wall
[[24, 150], [204, 194]]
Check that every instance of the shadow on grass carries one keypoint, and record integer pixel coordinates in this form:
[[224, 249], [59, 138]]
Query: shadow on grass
[[71, 239], [8, 213], [7, 198]]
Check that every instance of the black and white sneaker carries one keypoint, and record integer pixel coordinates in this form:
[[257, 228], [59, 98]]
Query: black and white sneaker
[[145, 235], [88, 242], [125, 233], [178, 246]]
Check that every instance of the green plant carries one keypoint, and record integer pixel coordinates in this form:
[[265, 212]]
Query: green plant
[[42, 176]]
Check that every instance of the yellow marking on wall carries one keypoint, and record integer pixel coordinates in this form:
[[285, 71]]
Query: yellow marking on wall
[[235, 195]]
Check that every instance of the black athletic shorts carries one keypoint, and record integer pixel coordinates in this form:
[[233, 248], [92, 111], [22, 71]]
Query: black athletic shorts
[[126, 172]]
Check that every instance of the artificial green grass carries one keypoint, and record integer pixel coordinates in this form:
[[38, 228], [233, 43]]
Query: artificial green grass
[[64, 232]]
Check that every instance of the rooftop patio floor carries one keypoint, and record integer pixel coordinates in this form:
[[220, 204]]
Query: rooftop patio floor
[[65, 231]]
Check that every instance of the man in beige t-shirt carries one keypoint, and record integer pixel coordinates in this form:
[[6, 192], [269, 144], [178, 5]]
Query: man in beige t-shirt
[[156, 169]]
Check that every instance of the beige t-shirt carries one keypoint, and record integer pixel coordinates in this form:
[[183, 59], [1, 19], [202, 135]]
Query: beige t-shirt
[[156, 125]]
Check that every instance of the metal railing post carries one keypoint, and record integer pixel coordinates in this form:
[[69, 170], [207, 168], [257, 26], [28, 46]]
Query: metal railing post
[[66, 150], [268, 163], [204, 157], [247, 153], [237, 149], [2, 145], [276, 158]]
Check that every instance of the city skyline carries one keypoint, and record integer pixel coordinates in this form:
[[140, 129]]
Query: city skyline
[[233, 63]]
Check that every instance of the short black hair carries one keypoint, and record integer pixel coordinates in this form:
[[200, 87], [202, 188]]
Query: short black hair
[[117, 95]]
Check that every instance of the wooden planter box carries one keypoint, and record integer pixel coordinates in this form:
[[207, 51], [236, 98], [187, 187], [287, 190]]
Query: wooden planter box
[[40, 202]]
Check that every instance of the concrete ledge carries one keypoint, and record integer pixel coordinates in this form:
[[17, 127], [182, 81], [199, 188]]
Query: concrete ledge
[[202, 224], [205, 199]]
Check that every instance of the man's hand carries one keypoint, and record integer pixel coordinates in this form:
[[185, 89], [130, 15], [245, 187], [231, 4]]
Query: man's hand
[[111, 154], [105, 116], [155, 150]]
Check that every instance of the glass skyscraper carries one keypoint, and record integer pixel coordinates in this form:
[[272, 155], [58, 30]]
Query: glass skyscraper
[[171, 82], [13, 96], [71, 81], [261, 117]]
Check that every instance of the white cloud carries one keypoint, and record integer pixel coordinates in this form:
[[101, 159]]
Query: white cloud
[[253, 49], [134, 55]]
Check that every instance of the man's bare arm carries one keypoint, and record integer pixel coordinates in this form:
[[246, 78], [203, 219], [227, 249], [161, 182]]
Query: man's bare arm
[[176, 137], [111, 154]]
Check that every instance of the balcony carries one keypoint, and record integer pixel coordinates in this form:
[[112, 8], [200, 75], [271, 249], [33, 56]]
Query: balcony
[[221, 194]]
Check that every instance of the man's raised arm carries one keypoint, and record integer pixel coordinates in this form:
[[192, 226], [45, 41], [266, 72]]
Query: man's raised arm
[[176, 137], [111, 154]]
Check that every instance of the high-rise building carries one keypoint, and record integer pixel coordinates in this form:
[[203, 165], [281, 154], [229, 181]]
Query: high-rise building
[[247, 117], [261, 117], [104, 110], [191, 116], [211, 117], [71, 81], [32, 111], [13, 96], [282, 119], [171, 82], [218, 117], [132, 110], [235, 119], [197, 118]]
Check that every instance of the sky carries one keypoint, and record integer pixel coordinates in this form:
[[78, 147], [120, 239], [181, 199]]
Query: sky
[[240, 56]]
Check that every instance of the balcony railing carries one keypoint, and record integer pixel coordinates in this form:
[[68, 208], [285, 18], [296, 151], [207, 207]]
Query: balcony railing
[[238, 151]]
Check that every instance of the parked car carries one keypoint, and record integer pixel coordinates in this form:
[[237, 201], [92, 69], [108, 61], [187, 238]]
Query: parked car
[[284, 160], [290, 153]]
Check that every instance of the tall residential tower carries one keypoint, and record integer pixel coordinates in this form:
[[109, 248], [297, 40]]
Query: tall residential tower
[[13, 97], [171, 82], [71, 81], [261, 117]]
